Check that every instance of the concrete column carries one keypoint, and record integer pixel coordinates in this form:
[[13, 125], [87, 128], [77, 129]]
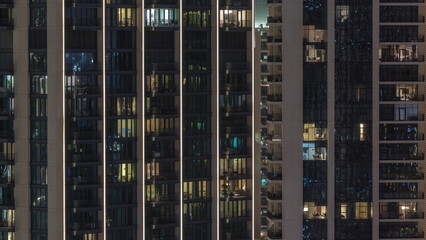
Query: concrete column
[[330, 121], [55, 97], [292, 202], [21, 122], [375, 127]]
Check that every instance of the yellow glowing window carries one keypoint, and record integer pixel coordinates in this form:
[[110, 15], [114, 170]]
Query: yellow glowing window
[[362, 132]]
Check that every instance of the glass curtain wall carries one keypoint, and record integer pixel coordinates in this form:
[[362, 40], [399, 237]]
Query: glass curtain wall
[[83, 109], [38, 118], [353, 119], [315, 120], [197, 113], [121, 119]]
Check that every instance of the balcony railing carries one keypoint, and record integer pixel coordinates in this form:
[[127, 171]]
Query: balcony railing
[[401, 156], [84, 180], [401, 195], [83, 90], [277, 59], [275, 176], [274, 39], [236, 24], [234, 3], [275, 234], [162, 66], [90, 2], [6, 22], [161, 2], [274, 196], [274, 19], [163, 198], [85, 135], [275, 215], [390, 58], [81, 67], [6, 66], [400, 233], [401, 215], [275, 78], [161, 111], [85, 203], [84, 22], [402, 176], [7, 157], [275, 98], [85, 226], [6, 1], [84, 157]]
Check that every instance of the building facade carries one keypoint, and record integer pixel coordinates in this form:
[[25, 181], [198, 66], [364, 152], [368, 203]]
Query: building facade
[[132, 120], [344, 145]]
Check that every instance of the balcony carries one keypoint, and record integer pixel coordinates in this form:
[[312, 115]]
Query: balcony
[[7, 2], [234, 3], [235, 109], [274, 59], [6, 66], [7, 202], [235, 130], [83, 113], [161, 154], [402, 156], [400, 232], [274, 20], [7, 179], [275, 233], [81, 67], [401, 98], [402, 176], [162, 67], [274, 39], [401, 195], [274, 196], [88, 134], [274, 98], [274, 215], [402, 1], [402, 215], [89, 203], [275, 176], [84, 23], [159, 220], [81, 158], [274, 1], [235, 24], [6, 135], [164, 132], [84, 3], [161, 111], [161, 3], [6, 23], [93, 226], [7, 157], [163, 177], [6, 224], [84, 90], [163, 198], [275, 79], [83, 180], [402, 58], [274, 117], [236, 66]]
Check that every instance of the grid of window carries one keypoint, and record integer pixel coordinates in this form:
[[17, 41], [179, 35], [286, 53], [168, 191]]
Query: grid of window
[[353, 117], [38, 119], [121, 120]]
